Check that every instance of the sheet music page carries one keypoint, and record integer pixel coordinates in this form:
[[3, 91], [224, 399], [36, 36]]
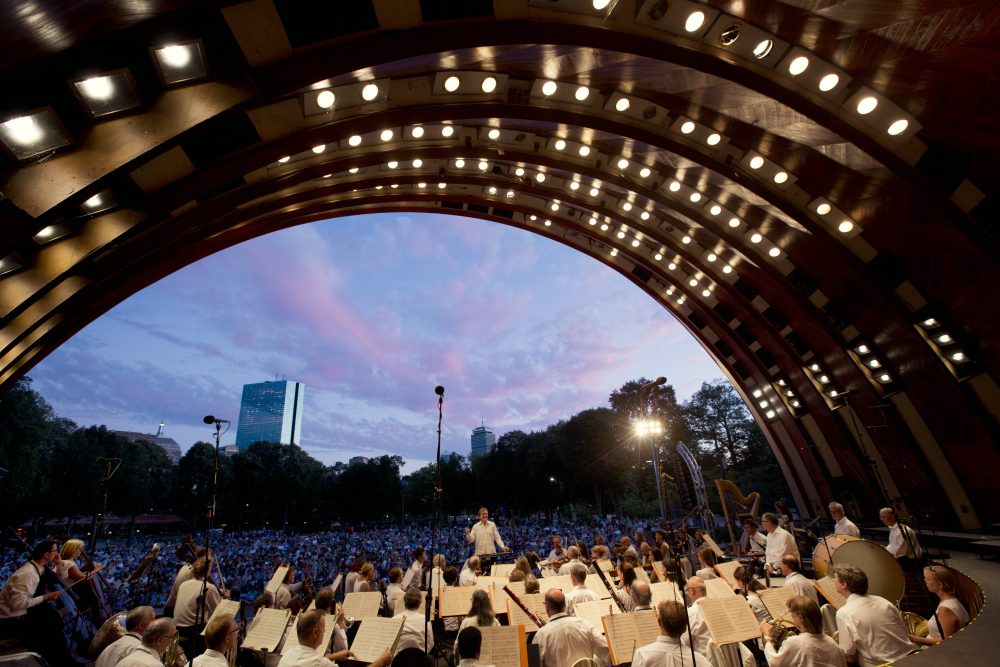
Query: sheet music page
[[717, 588], [224, 607], [408, 578], [375, 636], [726, 571], [647, 626], [641, 575], [277, 579], [776, 601], [517, 587], [456, 600], [533, 601], [660, 570], [502, 569], [594, 583], [605, 564], [665, 590], [398, 607], [594, 610], [560, 581], [713, 545], [729, 619], [504, 646], [623, 635], [828, 587], [292, 638], [267, 629], [336, 582], [362, 605]]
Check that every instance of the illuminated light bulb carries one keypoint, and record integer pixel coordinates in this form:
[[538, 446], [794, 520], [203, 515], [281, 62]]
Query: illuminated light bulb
[[621, 235], [829, 82], [694, 21], [93, 202], [958, 356], [614, 252], [394, 186], [693, 282], [417, 164], [762, 404], [627, 206], [773, 252], [675, 186], [355, 140], [734, 222], [645, 172], [756, 162], [378, 187], [712, 257], [594, 192], [532, 217], [769, 414], [930, 322], [715, 210], [319, 148], [492, 190], [781, 177], [554, 206], [283, 160], [635, 243], [814, 368], [756, 238], [757, 393], [796, 404], [695, 197], [866, 105], [352, 170], [175, 55], [574, 185], [845, 227], [442, 186], [584, 151], [671, 266], [417, 132], [560, 145], [421, 185], [713, 139], [325, 99], [392, 164], [762, 49], [600, 4], [460, 163], [622, 104], [706, 293], [863, 349], [489, 84], [540, 177], [519, 172], [623, 163], [24, 130], [604, 226], [483, 165], [451, 84], [823, 209], [824, 379], [97, 88], [680, 300], [549, 88], [727, 269], [686, 240], [493, 134], [369, 92], [447, 131], [898, 127], [658, 256], [644, 215], [582, 93], [593, 221], [945, 339], [548, 223], [798, 65], [386, 135], [687, 128], [874, 363]]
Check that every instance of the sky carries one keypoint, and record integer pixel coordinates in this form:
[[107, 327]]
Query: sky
[[371, 313]]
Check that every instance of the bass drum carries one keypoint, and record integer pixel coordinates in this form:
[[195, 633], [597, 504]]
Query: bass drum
[[885, 576], [827, 546], [111, 631]]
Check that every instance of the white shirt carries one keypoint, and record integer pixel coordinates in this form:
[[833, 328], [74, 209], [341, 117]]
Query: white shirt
[[484, 537], [567, 567], [18, 592], [755, 542], [699, 630], [706, 573], [186, 573], [467, 577], [141, 657], [565, 639], [667, 652], [845, 526], [186, 609], [210, 658], [957, 608], [780, 543], [413, 631], [554, 556], [757, 605], [802, 585], [805, 650], [872, 629], [118, 649], [304, 656], [898, 544], [579, 594], [392, 591]]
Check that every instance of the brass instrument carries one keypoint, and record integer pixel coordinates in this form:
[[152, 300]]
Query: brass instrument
[[780, 631], [174, 655], [915, 624]]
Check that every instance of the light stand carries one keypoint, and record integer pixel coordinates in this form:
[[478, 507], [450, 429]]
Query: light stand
[[200, 616], [439, 390], [113, 465]]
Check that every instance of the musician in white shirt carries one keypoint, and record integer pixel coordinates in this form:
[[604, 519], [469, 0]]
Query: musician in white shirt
[[573, 553], [579, 592], [414, 627], [810, 648], [695, 590], [565, 639], [468, 645], [903, 542], [779, 542], [136, 622], [844, 526], [468, 576], [872, 630], [792, 569], [484, 535], [309, 630], [156, 639], [220, 636], [667, 650], [752, 540], [557, 552]]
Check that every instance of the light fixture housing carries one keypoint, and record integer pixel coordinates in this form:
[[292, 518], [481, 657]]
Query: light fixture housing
[[746, 45], [344, 97], [814, 73], [106, 93], [674, 17], [882, 116], [471, 83], [180, 62], [38, 132]]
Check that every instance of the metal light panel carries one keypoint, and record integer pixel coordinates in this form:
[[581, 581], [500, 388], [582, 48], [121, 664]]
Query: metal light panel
[[677, 17], [52, 233], [497, 135], [636, 108], [327, 100], [106, 93], [832, 217], [32, 134], [767, 171], [560, 91], [11, 263], [749, 42], [883, 116], [698, 133], [470, 83], [180, 62], [588, 7], [812, 77], [102, 201]]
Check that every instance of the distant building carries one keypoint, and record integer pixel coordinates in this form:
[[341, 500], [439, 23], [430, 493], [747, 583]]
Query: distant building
[[483, 441], [448, 456], [339, 467], [270, 412], [357, 460], [230, 450], [169, 445]]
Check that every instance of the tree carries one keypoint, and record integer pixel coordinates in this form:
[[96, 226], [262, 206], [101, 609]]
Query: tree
[[719, 420]]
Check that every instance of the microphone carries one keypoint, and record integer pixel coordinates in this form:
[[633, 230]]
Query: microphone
[[658, 381], [209, 419], [439, 390]]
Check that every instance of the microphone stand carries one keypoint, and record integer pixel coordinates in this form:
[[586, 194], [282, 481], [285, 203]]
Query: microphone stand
[[439, 390], [200, 616]]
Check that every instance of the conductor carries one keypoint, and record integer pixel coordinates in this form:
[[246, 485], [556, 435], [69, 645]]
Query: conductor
[[485, 537]]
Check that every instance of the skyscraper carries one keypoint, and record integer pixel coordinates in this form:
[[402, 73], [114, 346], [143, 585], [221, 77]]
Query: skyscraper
[[271, 412], [483, 441]]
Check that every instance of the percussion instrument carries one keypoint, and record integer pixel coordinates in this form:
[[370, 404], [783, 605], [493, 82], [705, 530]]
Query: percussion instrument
[[826, 549], [885, 576], [110, 631]]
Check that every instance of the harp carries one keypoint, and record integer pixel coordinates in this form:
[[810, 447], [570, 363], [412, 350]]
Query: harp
[[735, 505]]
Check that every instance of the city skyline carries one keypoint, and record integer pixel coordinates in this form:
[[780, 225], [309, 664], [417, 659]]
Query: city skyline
[[371, 312]]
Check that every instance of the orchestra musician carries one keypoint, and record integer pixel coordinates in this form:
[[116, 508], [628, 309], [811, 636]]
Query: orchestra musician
[[415, 573], [624, 590], [25, 614], [184, 573], [325, 602], [69, 573], [749, 587], [752, 540], [156, 639], [221, 634], [810, 646], [872, 630], [708, 562], [950, 615], [416, 629], [557, 549], [565, 639], [136, 622], [695, 590], [903, 544], [667, 650], [394, 589], [470, 572], [468, 646], [573, 555], [484, 536], [365, 582], [579, 592], [309, 630], [480, 614], [780, 543], [283, 596], [642, 596], [191, 611], [843, 525], [791, 567]]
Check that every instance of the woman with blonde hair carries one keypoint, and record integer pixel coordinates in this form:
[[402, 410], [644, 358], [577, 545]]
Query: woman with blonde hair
[[68, 571], [366, 576], [950, 615], [810, 646]]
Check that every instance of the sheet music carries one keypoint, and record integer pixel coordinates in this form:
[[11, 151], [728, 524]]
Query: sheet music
[[729, 619], [501, 569], [504, 646], [292, 638], [660, 570], [398, 607], [828, 587], [665, 590], [224, 607], [336, 582], [605, 564], [726, 571], [561, 581], [712, 545], [717, 588], [627, 632], [594, 610], [277, 579], [408, 578], [267, 629], [362, 604], [640, 574], [533, 601], [594, 583], [375, 636], [456, 600], [776, 601]]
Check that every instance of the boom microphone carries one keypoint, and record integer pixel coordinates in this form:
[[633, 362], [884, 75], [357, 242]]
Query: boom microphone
[[439, 390], [658, 381], [209, 419]]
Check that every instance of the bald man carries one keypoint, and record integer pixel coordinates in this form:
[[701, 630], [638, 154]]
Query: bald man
[[695, 591], [565, 639]]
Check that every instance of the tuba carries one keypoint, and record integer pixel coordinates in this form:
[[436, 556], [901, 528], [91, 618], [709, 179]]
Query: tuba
[[780, 631]]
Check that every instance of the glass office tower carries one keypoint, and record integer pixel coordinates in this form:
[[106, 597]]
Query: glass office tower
[[271, 412]]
